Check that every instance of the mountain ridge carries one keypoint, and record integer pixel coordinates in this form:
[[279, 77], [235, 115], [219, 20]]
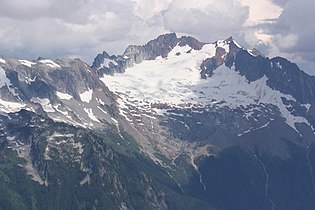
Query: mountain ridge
[[56, 89], [190, 120]]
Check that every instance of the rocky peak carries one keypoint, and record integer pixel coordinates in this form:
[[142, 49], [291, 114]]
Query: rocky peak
[[281, 74], [287, 77], [191, 42], [161, 46], [225, 52]]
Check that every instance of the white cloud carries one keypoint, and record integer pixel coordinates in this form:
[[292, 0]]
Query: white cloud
[[286, 41], [261, 10], [51, 28], [148, 9]]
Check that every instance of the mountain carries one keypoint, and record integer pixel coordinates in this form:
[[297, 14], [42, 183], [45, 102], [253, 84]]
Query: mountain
[[172, 124]]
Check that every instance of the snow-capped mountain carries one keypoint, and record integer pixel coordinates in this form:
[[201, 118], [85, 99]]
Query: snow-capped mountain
[[176, 89], [213, 119]]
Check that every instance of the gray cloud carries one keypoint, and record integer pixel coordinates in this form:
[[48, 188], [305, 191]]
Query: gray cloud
[[69, 10], [57, 28], [293, 32], [210, 21], [280, 2]]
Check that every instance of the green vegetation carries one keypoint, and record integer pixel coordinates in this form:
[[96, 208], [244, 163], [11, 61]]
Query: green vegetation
[[110, 173]]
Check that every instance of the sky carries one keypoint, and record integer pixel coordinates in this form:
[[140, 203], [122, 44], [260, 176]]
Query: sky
[[83, 28]]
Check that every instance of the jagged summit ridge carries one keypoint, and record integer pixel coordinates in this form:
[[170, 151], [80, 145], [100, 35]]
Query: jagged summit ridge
[[161, 46]]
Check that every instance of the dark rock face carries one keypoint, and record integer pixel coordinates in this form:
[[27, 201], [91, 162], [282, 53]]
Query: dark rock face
[[160, 46], [210, 64], [40, 89], [282, 75], [253, 68], [288, 78], [203, 124], [116, 64], [207, 67], [190, 41], [239, 180]]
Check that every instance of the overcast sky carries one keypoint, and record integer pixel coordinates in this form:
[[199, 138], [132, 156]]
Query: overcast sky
[[84, 28]]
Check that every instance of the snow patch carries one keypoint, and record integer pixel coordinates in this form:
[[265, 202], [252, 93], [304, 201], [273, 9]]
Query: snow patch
[[50, 63], [4, 81], [278, 64], [63, 96], [91, 115], [46, 154], [102, 110], [86, 96], [223, 44], [118, 128], [9, 107], [100, 101], [27, 63], [29, 80], [10, 138], [254, 129], [45, 103], [237, 44], [65, 135], [307, 106], [3, 78], [64, 113], [178, 50], [2, 60], [78, 146], [87, 179]]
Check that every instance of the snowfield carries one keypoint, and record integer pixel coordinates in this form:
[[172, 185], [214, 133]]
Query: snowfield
[[175, 81]]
